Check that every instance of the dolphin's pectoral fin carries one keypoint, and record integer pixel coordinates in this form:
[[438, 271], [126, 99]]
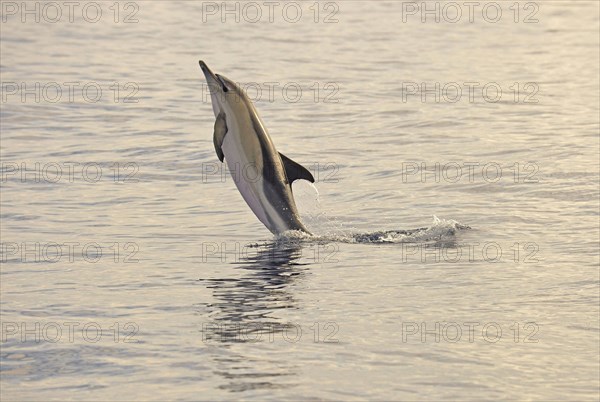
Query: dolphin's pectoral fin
[[219, 135], [295, 171]]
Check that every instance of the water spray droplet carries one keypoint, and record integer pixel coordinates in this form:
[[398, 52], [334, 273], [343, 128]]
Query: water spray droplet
[[317, 193]]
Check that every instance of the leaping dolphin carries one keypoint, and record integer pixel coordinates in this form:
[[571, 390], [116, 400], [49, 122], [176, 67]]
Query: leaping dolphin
[[263, 176]]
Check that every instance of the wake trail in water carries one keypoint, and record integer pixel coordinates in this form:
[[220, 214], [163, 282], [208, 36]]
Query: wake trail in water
[[438, 230], [326, 230]]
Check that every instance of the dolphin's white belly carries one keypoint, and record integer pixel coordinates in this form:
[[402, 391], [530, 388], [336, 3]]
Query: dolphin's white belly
[[244, 160]]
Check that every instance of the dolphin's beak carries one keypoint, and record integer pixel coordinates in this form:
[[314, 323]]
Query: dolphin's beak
[[211, 78]]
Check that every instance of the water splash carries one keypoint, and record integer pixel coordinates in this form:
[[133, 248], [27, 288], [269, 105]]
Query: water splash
[[438, 230], [316, 191], [313, 213], [327, 228]]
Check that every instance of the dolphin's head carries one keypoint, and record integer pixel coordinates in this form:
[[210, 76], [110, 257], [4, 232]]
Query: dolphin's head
[[223, 91]]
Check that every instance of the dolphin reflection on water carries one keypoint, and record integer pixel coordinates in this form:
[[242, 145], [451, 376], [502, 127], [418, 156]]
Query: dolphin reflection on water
[[245, 306], [245, 312]]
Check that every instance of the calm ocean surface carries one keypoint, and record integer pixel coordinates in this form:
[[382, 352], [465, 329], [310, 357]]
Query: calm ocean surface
[[133, 269]]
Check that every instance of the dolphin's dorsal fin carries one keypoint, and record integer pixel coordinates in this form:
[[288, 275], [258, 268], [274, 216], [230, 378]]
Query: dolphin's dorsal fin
[[219, 135], [295, 171]]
